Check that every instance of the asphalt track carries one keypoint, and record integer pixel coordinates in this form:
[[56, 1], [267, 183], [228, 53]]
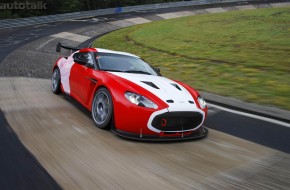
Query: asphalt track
[[63, 149]]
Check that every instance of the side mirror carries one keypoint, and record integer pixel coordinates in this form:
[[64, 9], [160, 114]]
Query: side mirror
[[80, 61], [157, 69]]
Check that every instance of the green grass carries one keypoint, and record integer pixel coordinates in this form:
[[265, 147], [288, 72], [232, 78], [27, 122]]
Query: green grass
[[242, 54]]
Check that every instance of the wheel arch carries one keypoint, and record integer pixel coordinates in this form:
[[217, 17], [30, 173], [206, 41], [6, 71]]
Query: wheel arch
[[94, 93]]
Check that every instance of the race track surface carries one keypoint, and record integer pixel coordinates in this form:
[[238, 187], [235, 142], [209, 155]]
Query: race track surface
[[78, 155]]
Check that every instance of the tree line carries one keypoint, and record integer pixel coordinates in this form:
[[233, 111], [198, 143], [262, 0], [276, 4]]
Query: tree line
[[27, 8]]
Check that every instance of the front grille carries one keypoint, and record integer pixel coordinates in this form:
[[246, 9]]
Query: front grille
[[177, 121]]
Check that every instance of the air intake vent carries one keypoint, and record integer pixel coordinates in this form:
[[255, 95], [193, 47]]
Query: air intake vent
[[150, 84], [169, 101], [191, 102], [176, 86]]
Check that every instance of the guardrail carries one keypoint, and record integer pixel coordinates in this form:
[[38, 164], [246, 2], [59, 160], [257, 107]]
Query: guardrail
[[10, 23]]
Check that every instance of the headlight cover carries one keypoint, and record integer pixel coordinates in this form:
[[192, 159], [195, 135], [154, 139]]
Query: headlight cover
[[140, 100], [201, 102]]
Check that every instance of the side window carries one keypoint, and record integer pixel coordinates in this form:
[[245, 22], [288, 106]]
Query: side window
[[77, 56], [89, 58], [84, 59]]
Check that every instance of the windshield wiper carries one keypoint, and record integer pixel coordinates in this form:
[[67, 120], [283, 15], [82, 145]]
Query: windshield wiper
[[135, 71]]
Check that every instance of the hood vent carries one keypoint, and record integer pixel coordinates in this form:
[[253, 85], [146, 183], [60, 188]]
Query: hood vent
[[176, 86], [191, 102], [169, 101], [150, 84]]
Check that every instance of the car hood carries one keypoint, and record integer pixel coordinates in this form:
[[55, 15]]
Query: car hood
[[172, 93]]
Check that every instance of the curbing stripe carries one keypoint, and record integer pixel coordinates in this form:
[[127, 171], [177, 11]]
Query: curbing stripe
[[121, 23], [71, 36], [216, 10], [246, 7], [280, 4], [175, 14], [138, 20]]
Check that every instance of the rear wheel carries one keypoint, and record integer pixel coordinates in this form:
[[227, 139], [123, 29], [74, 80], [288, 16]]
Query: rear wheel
[[102, 108], [55, 81]]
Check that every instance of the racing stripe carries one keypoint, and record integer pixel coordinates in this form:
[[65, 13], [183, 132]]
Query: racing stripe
[[165, 89], [65, 66]]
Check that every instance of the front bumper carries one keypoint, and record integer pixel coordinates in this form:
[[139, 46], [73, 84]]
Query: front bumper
[[201, 132]]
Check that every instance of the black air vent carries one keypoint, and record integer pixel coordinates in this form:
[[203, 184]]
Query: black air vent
[[169, 101], [176, 86], [177, 121], [150, 84], [191, 102]]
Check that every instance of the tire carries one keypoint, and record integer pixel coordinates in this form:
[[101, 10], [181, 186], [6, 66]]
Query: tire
[[55, 81], [102, 108]]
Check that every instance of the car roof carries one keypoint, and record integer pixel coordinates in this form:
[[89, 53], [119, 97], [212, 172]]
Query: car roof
[[115, 52], [101, 50]]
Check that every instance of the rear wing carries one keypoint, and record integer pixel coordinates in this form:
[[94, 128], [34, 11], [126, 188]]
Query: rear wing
[[59, 46]]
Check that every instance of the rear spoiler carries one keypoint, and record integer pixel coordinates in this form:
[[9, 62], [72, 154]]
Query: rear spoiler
[[59, 46]]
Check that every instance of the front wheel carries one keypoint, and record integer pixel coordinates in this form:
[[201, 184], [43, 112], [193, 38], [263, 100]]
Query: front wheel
[[102, 108], [55, 81]]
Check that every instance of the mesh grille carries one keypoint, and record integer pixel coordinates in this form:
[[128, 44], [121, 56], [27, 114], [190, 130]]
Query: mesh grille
[[177, 121]]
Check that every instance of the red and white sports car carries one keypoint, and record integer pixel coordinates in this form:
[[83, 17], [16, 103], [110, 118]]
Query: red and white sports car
[[129, 96]]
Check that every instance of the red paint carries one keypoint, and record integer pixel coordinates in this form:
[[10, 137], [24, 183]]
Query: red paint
[[163, 122]]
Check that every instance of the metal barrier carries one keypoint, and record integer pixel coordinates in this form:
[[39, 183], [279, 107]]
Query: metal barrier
[[10, 23]]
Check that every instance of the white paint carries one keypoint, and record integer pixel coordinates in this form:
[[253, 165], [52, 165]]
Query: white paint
[[175, 14], [211, 112], [245, 7], [187, 13], [71, 36], [65, 66], [115, 52], [45, 43], [95, 19], [121, 23], [251, 115], [73, 20], [286, 4], [216, 10], [138, 20], [168, 15], [165, 92]]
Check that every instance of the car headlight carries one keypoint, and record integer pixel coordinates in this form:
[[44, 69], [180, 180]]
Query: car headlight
[[140, 100], [201, 102]]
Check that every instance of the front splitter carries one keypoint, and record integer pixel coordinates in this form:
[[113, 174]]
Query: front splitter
[[197, 134]]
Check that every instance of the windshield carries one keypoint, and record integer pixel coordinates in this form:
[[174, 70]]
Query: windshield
[[123, 63]]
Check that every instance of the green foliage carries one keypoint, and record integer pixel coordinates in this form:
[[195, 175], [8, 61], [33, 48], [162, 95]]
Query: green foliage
[[66, 6], [242, 54], [5, 14], [69, 6]]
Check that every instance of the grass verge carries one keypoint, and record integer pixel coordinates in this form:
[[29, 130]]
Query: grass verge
[[241, 54]]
